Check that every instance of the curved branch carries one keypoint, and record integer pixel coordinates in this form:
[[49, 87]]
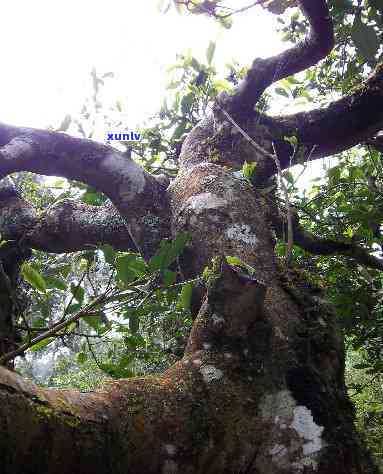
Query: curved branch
[[343, 124], [265, 72], [138, 196], [319, 246], [67, 226]]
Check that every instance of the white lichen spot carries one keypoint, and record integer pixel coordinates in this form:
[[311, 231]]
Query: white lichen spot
[[305, 462], [321, 321], [302, 452], [210, 373], [217, 319], [203, 201], [279, 404], [246, 352], [242, 233], [206, 346], [197, 362], [278, 450], [304, 425], [170, 449], [211, 178], [129, 175], [279, 334], [227, 355], [169, 467]]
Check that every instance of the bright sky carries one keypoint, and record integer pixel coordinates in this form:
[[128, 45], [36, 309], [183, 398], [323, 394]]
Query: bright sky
[[49, 48]]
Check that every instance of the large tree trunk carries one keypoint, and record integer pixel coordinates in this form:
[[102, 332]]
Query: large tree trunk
[[260, 388]]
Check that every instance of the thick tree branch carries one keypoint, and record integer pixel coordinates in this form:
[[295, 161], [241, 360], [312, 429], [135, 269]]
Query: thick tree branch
[[265, 72], [319, 246], [140, 199], [343, 124], [67, 226], [376, 142]]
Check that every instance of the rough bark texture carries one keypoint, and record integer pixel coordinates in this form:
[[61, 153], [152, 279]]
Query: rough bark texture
[[260, 388], [11, 297]]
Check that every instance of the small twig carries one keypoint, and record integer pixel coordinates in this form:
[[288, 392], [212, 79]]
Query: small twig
[[54, 330], [93, 354]]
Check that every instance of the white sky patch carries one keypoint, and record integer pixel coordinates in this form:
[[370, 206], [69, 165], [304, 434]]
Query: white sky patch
[[47, 73], [55, 46], [242, 232], [203, 201]]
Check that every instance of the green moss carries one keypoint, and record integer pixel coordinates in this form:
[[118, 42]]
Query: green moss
[[43, 412]]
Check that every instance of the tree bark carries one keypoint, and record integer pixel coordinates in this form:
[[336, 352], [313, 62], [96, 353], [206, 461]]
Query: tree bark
[[260, 388], [11, 297]]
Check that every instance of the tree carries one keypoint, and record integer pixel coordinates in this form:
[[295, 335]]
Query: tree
[[260, 387]]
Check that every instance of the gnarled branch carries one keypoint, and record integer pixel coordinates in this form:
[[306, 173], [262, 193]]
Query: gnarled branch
[[343, 124], [138, 196], [66, 226], [320, 246], [265, 72]]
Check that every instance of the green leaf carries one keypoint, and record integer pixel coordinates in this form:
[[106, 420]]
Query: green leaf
[[237, 262], [186, 103], [248, 169], [129, 267], [78, 292], [185, 296], [222, 85], [73, 308], [365, 39], [232, 260], [210, 52], [109, 253], [134, 323], [169, 277], [287, 175], [281, 91], [168, 252], [55, 282], [81, 357], [293, 140], [195, 64], [41, 344], [33, 277], [97, 321]]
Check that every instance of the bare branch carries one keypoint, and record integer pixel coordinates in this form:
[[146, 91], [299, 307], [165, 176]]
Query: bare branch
[[343, 124], [265, 72], [319, 246], [56, 328], [138, 196], [67, 226]]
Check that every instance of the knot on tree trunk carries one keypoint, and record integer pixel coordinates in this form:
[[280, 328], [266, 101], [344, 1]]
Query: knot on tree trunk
[[233, 304]]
